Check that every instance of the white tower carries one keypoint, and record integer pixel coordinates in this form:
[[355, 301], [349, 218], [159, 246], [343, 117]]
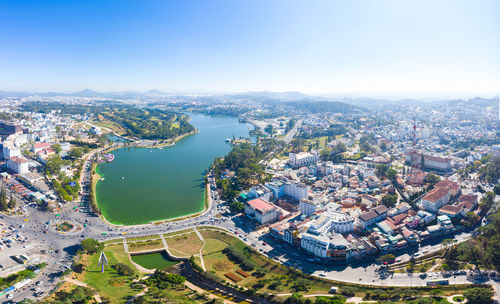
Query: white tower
[[103, 261]]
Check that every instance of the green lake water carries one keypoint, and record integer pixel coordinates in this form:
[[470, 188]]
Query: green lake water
[[143, 185], [159, 260]]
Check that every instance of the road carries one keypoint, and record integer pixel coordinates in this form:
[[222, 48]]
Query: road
[[289, 136]]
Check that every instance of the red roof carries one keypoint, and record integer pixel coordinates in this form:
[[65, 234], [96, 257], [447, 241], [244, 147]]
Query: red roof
[[435, 194], [261, 205], [41, 145], [18, 160]]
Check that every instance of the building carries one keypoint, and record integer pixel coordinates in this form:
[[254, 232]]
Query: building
[[277, 187], [9, 150], [39, 146], [96, 131], [443, 192], [417, 159], [328, 246], [263, 212], [7, 129], [308, 206], [18, 165], [370, 217], [435, 199], [436, 162], [303, 158], [296, 190], [332, 221]]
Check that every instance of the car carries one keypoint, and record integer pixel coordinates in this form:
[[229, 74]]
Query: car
[[10, 296], [264, 243]]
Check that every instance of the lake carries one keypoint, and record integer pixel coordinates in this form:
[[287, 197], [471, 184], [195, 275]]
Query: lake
[[142, 185]]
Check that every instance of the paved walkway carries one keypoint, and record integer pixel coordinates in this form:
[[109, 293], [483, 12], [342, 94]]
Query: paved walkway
[[450, 299], [201, 249], [139, 267]]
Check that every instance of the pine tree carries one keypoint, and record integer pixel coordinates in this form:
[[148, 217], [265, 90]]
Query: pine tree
[[3, 200], [12, 202]]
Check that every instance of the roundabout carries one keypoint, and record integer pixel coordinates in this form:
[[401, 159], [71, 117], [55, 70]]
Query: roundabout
[[65, 227]]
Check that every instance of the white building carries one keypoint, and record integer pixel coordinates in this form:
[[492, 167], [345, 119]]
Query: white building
[[435, 162], [18, 165], [435, 199], [296, 190], [9, 150], [262, 211], [332, 245], [303, 158], [315, 244], [308, 207]]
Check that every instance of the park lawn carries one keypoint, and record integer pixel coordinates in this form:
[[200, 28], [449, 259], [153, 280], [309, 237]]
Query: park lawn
[[322, 141], [143, 238], [115, 241], [145, 245], [220, 235], [110, 125], [106, 283], [178, 232], [118, 253], [184, 245], [213, 245]]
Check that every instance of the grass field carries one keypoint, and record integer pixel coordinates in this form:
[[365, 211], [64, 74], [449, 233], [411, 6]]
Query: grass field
[[184, 245], [154, 260], [177, 232], [109, 284], [143, 238], [145, 245]]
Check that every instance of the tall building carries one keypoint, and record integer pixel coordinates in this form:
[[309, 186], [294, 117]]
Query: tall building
[[303, 158]]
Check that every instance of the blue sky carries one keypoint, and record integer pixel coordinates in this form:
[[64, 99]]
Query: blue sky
[[377, 46]]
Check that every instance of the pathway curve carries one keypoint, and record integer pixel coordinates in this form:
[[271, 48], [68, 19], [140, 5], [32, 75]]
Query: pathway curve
[[450, 299], [139, 267], [201, 249]]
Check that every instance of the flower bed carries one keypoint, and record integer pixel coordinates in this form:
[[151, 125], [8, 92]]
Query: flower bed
[[233, 277]]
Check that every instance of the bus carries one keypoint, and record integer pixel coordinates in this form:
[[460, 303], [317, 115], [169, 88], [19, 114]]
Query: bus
[[437, 282]]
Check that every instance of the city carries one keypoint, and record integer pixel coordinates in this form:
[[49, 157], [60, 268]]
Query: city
[[237, 152]]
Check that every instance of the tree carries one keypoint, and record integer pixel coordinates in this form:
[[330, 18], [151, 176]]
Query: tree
[[12, 202], [391, 173], [387, 258], [54, 164], [123, 269], [57, 148], [496, 189], [76, 153], [479, 295], [3, 200], [383, 146], [91, 246], [269, 129], [380, 169], [389, 200], [432, 179]]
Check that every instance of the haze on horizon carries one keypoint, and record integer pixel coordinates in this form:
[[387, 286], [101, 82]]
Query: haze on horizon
[[381, 47]]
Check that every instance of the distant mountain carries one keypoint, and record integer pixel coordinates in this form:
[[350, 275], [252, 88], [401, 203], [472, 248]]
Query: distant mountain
[[86, 93], [285, 96]]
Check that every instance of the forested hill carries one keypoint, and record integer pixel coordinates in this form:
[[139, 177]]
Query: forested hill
[[137, 122]]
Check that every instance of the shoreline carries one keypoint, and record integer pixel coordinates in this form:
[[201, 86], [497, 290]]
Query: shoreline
[[206, 196]]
